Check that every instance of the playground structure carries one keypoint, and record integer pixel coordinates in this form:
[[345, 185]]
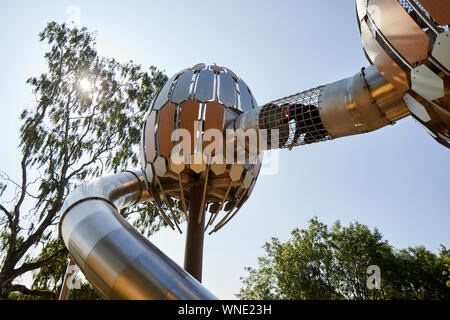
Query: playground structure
[[188, 160]]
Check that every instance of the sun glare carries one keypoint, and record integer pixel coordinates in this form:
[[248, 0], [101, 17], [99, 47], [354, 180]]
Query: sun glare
[[85, 84]]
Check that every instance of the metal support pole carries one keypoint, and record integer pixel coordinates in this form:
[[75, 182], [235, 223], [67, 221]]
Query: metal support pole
[[193, 254], [65, 290]]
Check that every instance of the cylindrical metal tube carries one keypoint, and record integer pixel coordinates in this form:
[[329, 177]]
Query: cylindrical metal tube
[[362, 103], [116, 259], [357, 104]]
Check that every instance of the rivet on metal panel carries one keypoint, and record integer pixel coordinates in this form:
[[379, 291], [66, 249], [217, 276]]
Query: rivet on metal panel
[[441, 49], [426, 83]]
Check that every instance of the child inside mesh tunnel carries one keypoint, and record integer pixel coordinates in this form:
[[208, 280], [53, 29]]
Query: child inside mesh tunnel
[[307, 122]]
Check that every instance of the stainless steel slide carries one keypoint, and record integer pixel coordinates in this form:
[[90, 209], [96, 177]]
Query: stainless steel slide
[[115, 258]]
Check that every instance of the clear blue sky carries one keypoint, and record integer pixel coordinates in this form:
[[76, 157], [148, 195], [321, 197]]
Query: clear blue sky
[[396, 179]]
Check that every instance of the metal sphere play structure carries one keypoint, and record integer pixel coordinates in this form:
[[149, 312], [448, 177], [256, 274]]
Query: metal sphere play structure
[[183, 161], [197, 154], [198, 100]]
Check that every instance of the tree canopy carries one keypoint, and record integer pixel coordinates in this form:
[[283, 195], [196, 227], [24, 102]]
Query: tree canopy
[[333, 263], [84, 122]]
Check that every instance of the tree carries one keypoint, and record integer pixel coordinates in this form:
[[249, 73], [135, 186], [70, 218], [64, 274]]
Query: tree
[[85, 122], [422, 273], [323, 263]]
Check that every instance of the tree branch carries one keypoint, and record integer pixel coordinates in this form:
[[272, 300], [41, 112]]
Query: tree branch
[[2, 208], [39, 264], [36, 293]]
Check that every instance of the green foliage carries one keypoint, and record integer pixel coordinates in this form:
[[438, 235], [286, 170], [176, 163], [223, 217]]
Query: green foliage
[[86, 292], [322, 263], [85, 122], [51, 276]]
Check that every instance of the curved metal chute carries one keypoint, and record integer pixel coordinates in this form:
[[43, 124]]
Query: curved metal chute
[[115, 258]]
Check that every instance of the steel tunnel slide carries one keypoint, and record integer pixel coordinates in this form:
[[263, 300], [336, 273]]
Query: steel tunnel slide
[[114, 257]]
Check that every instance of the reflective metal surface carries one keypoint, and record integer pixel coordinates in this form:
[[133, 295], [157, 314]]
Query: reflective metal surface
[[350, 106], [441, 49], [163, 97], [182, 87], [202, 101], [148, 138], [205, 86], [427, 83], [357, 104], [118, 261], [245, 99], [166, 116], [399, 29], [382, 60], [227, 90], [409, 43], [438, 9], [416, 108]]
